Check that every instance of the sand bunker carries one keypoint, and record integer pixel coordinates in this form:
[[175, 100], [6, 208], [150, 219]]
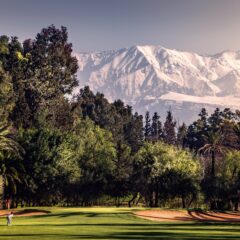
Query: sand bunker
[[172, 215]]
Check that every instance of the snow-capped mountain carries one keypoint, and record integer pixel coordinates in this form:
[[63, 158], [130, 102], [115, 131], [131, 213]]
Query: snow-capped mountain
[[155, 78]]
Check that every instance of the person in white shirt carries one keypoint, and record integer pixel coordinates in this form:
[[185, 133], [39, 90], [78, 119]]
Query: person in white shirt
[[9, 218]]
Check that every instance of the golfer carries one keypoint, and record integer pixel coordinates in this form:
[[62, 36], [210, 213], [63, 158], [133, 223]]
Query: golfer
[[9, 218]]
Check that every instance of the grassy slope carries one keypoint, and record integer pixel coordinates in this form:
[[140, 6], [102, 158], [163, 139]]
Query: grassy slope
[[109, 223]]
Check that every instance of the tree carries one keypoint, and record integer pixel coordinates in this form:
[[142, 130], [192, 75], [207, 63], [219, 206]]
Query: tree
[[96, 107], [116, 117], [43, 70], [87, 158], [51, 62], [213, 146], [12, 174], [147, 127], [6, 95], [195, 133], [133, 132], [215, 120], [40, 146], [14, 63], [236, 129], [6, 88], [182, 135], [7, 142], [169, 131], [232, 177], [120, 183], [153, 161], [156, 128], [9, 151]]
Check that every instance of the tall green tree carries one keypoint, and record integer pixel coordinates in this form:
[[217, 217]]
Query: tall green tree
[[41, 178], [116, 117], [213, 147], [182, 135], [6, 88], [169, 129], [88, 160], [156, 128], [232, 177], [236, 129], [10, 150], [153, 161], [195, 133], [43, 70], [120, 183], [147, 127], [133, 132]]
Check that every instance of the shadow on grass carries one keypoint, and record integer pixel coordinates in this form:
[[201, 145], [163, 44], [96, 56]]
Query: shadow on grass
[[83, 214], [142, 235], [31, 211], [214, 216], [192, 216], [140, 229]]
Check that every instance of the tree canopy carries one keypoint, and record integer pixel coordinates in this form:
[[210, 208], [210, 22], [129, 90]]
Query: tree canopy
[[81, 149]]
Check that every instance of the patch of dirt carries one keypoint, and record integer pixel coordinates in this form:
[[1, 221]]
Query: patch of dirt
[[24, 212], [202, 216]]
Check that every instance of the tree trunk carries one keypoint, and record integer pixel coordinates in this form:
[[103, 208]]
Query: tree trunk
[[213, 164], [236, 206], [1, 192], [183, 202], [133, 198], [151, 200], [156, 199], [237, 201], [191, 201], [213, 205], [140, 197]]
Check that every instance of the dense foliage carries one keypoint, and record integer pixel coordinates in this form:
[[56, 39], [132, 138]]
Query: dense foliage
[[84, 150]]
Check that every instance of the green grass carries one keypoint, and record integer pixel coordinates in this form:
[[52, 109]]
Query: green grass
[[109, 223]]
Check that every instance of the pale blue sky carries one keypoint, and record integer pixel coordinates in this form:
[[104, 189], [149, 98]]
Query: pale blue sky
[[203, 26]]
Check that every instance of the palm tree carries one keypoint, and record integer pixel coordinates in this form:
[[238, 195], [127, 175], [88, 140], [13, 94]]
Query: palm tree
[[213, 146], [7, 141], [9, 149]]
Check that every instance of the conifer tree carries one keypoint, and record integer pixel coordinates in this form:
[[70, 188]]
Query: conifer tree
[[156, 128], [169, 129], [134, 132], [147, 127], [195, 133], [160, 130], [181, 135]]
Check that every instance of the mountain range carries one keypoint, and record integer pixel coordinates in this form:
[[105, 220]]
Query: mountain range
[[154, 78]]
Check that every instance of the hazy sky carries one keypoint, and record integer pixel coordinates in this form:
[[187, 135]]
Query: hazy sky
[[203, 26]]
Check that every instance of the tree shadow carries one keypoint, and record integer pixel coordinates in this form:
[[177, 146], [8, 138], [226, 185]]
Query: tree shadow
[[142, 235], [214, 216]]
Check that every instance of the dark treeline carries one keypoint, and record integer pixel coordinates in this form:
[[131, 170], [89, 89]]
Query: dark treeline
[[83, 150]]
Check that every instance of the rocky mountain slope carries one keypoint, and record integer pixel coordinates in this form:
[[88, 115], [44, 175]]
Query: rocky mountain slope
[[155, 78]]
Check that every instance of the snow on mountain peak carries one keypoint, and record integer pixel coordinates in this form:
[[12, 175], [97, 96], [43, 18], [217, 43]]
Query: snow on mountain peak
[[144, 75]]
